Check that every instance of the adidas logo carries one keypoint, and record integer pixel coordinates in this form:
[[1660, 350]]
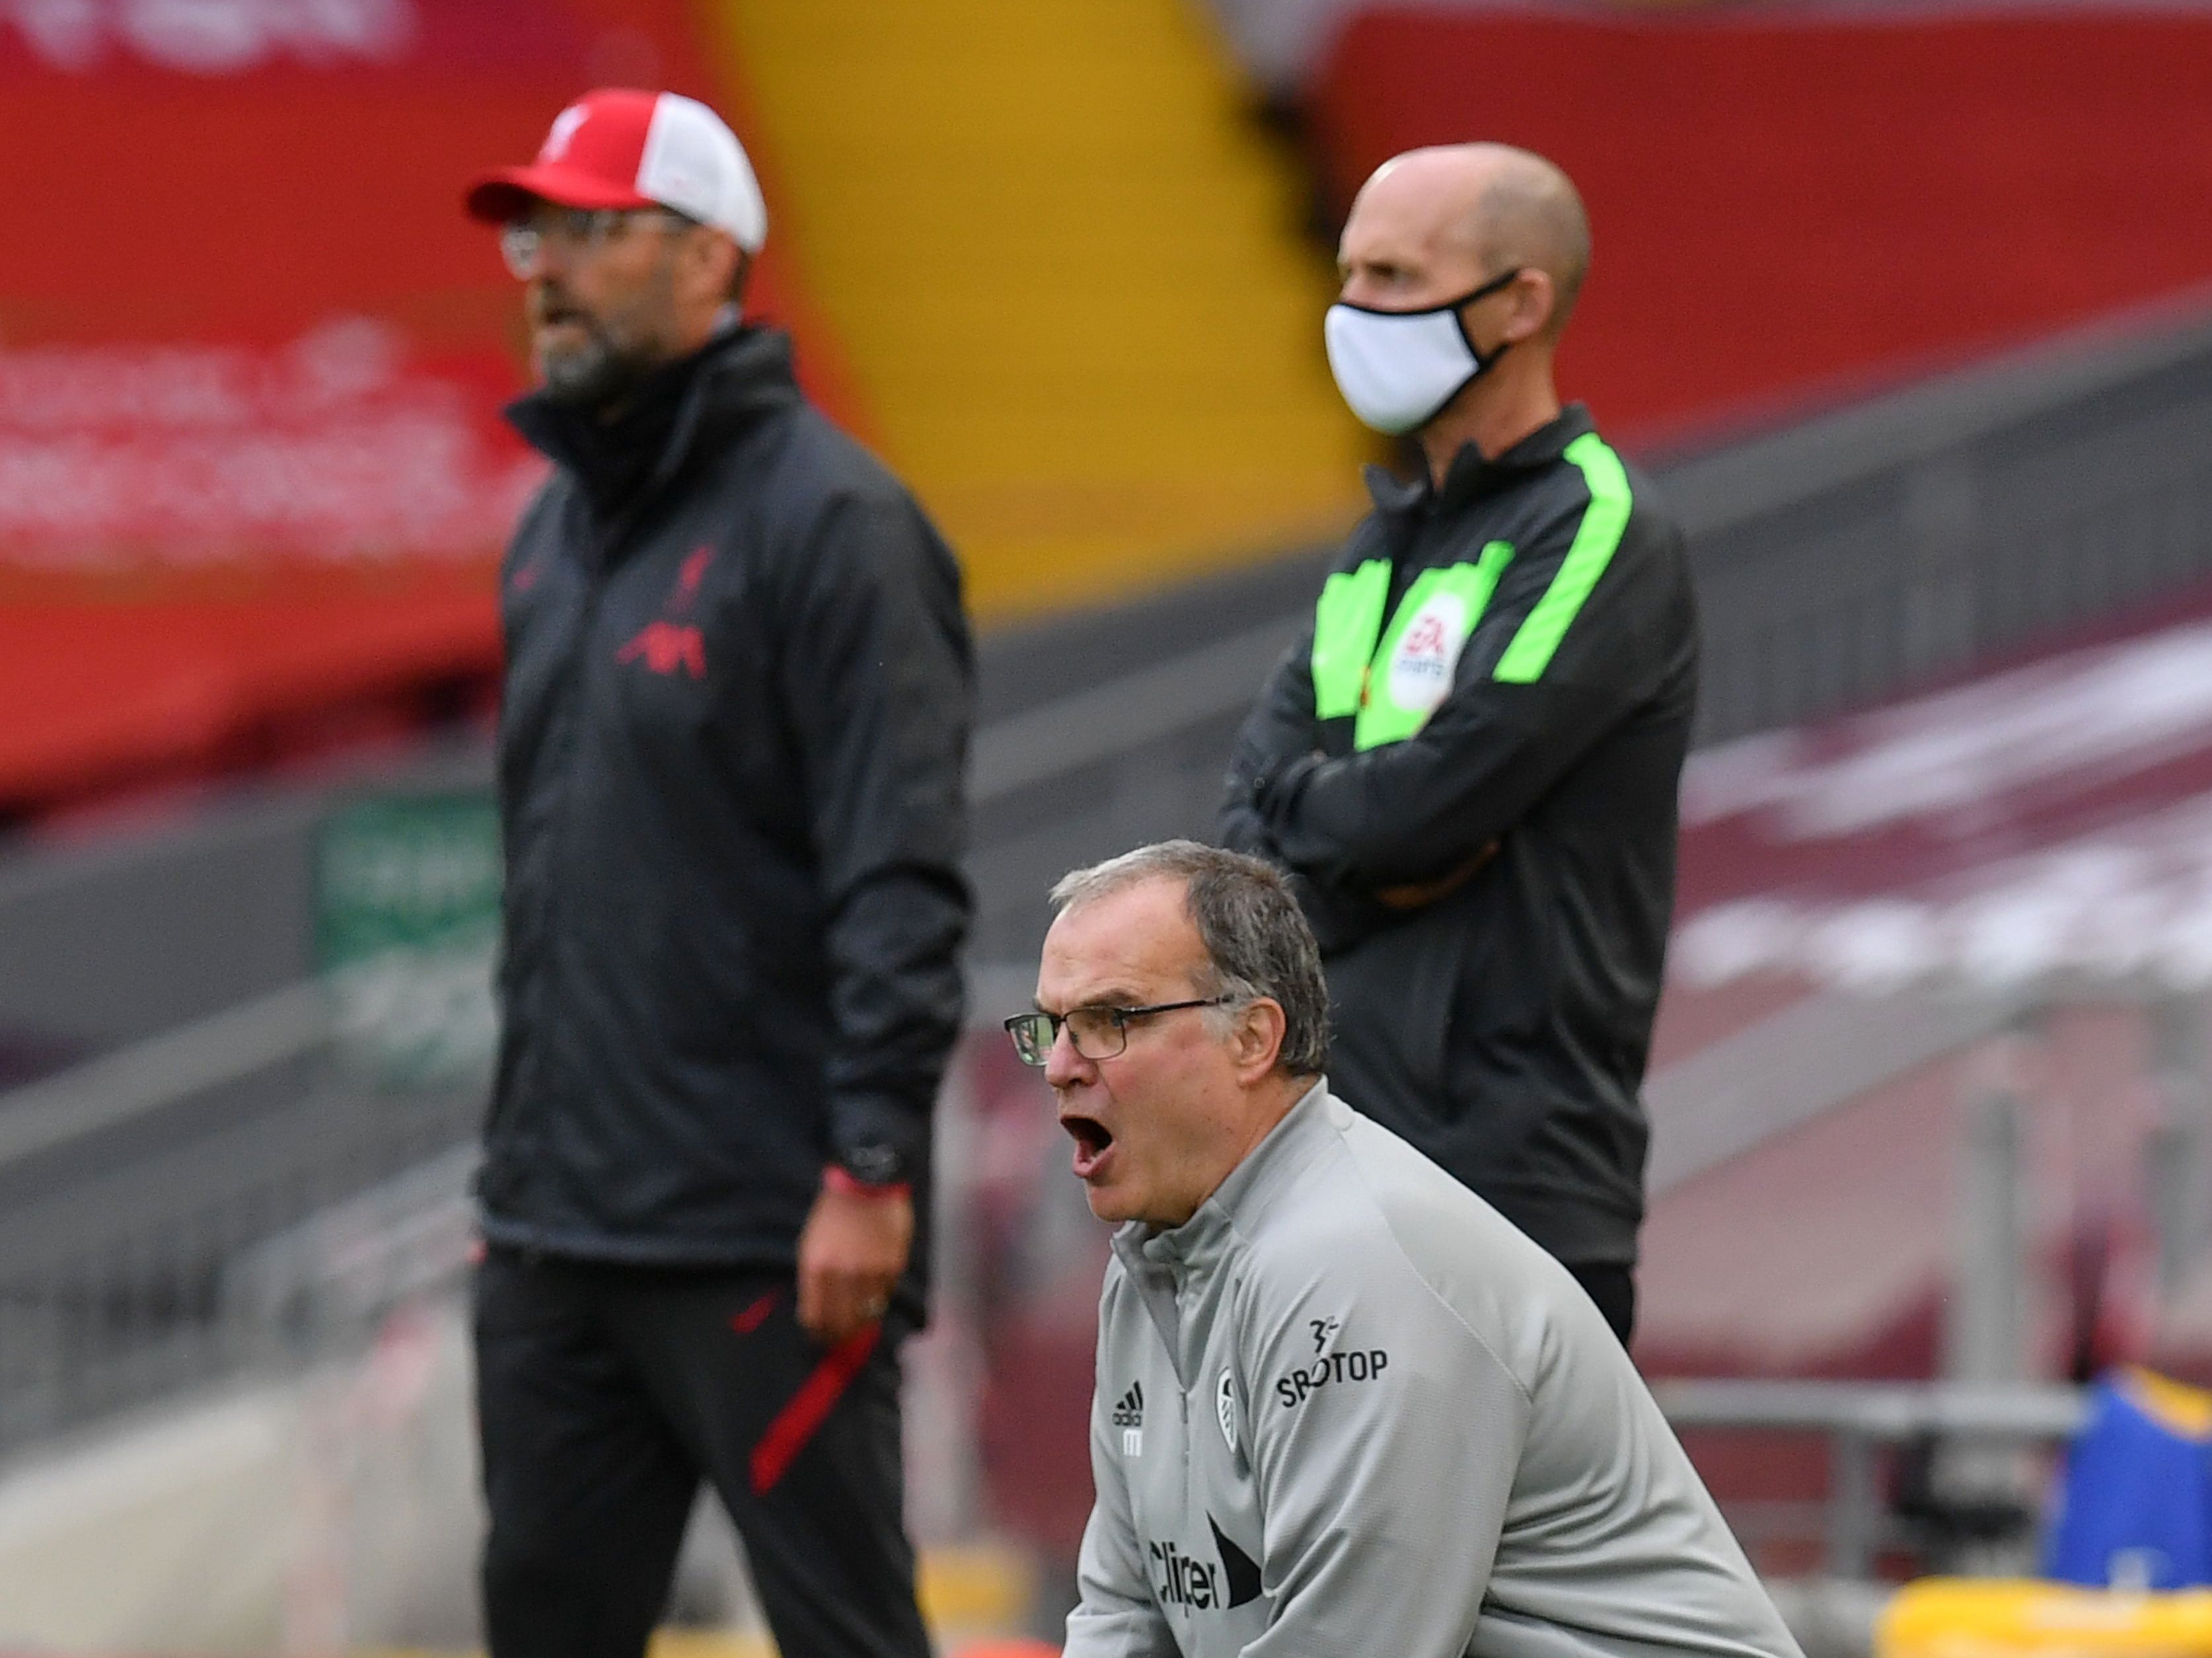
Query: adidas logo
[[1129, 1417]]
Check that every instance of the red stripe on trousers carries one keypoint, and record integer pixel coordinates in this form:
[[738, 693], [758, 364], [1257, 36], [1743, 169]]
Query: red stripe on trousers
[[803, 1412], [754, 1316]]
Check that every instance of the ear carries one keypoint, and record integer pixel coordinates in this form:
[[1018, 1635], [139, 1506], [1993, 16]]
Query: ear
[[1536, 296], [709, 267], [1259, 1042]]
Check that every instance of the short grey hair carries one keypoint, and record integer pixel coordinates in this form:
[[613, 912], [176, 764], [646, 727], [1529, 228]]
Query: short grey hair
[[1257, 939]]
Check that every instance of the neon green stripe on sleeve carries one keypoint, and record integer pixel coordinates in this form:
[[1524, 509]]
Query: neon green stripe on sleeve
[[1346, 619], [1592, 550]]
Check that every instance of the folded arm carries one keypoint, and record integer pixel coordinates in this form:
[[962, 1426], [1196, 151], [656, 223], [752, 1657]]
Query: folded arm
[[1541, 679]]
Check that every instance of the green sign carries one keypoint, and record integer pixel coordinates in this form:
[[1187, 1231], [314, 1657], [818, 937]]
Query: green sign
[[407, 891]]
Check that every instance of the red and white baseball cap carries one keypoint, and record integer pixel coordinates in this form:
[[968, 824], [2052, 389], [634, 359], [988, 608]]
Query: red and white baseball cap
[[615, 147]]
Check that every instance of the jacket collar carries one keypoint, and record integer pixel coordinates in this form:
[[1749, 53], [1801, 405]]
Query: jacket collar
[[1472, 476], [1306, 1128], [731, 380]]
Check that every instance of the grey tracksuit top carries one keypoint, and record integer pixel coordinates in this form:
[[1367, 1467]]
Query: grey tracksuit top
[[1348, 1409]]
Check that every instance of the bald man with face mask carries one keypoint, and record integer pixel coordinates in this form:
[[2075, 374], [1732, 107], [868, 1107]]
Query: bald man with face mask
[[1470, 761]]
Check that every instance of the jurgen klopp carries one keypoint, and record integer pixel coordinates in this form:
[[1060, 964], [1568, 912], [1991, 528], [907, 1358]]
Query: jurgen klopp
[[737, 709]]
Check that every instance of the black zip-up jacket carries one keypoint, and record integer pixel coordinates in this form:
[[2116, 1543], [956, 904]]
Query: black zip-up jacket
[[1496, 702], [738, 690]]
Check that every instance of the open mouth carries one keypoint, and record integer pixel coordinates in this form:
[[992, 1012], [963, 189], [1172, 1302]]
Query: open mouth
[[555, 309], [1092, 1140]]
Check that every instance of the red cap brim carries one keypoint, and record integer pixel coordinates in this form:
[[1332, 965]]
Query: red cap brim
[[506, 194]]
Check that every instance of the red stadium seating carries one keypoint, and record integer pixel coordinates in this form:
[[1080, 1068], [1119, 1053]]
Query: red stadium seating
[[2043, 831], [252, 476]]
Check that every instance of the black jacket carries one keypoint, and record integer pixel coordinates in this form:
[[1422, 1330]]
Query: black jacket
[[1502, 1026], [738, 689]]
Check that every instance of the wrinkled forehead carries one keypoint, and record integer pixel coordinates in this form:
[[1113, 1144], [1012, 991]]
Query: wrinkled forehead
[[1133, 945]]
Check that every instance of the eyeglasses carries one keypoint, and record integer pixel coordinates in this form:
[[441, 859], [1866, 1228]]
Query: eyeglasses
[[523, 242], [1097, 1033]]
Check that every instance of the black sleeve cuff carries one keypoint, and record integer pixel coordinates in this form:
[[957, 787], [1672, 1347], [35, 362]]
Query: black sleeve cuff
[[876, 1164]]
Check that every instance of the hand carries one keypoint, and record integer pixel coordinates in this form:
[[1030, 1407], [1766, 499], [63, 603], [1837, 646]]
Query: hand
[[851, 1252], [1413, 895]]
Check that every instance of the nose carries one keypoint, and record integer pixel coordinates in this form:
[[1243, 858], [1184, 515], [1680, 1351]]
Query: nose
[[1359, 288], [547, 291], [1063, 1065]]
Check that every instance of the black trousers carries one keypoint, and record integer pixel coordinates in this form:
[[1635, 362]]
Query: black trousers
[[605, 1394], [1613, 1289]]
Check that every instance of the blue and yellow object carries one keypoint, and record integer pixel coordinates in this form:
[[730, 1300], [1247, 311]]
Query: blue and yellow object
[[2135, 1507]]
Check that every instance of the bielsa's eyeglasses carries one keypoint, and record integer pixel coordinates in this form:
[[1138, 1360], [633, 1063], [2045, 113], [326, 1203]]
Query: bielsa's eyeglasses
[[522, 243], [1097, 1033]]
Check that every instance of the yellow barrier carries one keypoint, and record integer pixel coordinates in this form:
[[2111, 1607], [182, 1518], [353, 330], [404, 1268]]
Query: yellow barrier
[[1991, 1617]]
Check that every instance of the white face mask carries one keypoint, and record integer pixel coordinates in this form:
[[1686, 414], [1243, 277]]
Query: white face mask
[[1398, 368]]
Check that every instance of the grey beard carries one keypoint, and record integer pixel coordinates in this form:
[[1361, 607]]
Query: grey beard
[[595, 377]]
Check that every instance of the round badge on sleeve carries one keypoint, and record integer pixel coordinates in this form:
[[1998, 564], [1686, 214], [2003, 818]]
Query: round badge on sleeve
[[1421, 668]]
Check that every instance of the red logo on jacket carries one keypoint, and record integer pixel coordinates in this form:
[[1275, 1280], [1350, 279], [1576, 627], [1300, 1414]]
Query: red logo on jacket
[[667, 645]]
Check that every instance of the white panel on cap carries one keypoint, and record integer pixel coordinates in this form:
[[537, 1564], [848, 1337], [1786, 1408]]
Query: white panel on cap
[[696, 164]]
